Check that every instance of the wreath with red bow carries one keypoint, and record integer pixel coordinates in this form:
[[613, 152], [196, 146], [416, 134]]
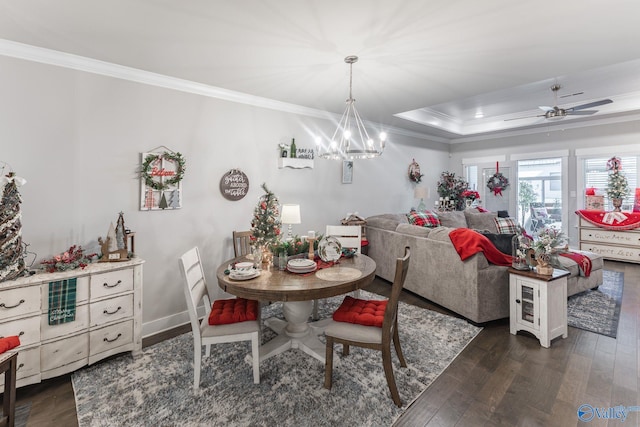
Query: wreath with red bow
[[497, 182]]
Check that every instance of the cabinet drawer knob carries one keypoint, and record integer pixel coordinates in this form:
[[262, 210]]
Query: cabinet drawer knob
[[108, 340], [106, 285], [111, 312], [518, 301], [3, 305]]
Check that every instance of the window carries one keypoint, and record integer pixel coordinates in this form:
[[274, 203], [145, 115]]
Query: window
[[540, 187], [596, 176], [472, 177]]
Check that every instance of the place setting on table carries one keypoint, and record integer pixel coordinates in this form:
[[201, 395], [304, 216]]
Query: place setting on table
[[328, 254]]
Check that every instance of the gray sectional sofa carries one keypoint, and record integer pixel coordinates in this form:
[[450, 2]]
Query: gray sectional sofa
[[473, 288]]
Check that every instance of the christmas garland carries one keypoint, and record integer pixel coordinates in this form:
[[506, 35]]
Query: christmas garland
[[497, 182], [175, 158]]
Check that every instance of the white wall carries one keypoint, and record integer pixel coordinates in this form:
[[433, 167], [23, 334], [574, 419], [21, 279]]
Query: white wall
[[77, 138]]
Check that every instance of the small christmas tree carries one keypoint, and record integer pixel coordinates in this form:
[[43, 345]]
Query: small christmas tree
[[149, 199], [11, 249], [265, 226], [174, 199], [163, 202], [618, 187]]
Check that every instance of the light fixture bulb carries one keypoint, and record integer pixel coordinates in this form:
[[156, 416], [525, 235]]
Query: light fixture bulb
[[383, 136], [347, 134]]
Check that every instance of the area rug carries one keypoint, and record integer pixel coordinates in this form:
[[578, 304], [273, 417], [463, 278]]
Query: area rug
[[598, 310], [157, 388]]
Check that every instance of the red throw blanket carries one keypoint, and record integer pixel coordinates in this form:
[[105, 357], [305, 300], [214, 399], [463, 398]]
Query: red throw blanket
[[469, 242], [7, 343], [583, 261]]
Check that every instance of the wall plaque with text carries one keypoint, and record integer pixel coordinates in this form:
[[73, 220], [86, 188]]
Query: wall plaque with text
[[234, 185]]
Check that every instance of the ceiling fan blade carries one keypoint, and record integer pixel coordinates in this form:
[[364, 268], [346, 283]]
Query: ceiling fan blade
[[582, 112], [525, 117], [545, 108], [573, 94], [590, 104]]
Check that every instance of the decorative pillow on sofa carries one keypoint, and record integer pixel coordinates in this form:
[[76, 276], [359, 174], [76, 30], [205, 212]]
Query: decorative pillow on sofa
[[502, 242], [481, 220], [423, 219], [506, 225], [452, 219]]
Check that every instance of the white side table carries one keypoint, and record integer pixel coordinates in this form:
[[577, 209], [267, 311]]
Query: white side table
[[538, 304]]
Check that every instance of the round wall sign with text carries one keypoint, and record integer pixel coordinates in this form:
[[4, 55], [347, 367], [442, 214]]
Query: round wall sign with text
[[234, 185]]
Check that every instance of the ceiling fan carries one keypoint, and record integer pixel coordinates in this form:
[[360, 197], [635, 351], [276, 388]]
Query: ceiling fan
[[559, 113]]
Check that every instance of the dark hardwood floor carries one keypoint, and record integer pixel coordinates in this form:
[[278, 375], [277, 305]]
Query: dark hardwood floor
[[510, 380], [498, 380]]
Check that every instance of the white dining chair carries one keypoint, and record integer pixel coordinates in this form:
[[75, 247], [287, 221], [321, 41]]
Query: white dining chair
[[349, 236], [195, 290]]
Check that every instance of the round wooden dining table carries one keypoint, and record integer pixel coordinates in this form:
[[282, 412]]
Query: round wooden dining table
[[297, 292]]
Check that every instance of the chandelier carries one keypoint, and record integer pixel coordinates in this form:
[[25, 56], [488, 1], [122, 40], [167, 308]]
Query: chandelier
[[351, 141]]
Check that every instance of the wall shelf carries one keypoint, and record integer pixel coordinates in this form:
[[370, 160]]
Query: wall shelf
[[286, 162]]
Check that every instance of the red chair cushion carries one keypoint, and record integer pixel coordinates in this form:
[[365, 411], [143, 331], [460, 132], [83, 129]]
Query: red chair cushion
[[361, 312], [227, 311]]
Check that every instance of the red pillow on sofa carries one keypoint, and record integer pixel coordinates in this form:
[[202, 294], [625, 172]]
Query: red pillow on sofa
[[227, 311], [361, 312], [423, 219]]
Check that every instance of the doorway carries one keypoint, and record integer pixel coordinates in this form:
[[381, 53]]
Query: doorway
[[540, 194]]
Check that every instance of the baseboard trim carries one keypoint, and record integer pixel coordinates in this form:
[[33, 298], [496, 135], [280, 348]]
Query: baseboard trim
[[167, 323]]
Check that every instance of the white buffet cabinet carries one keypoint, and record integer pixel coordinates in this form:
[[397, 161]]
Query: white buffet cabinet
[[108, 319], [618, 245]]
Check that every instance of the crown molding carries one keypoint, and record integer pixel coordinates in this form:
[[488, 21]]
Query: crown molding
[[95, 66], [81, 63]]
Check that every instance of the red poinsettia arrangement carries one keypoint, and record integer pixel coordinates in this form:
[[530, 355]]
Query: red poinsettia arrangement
[[470, 194], [68, 260]]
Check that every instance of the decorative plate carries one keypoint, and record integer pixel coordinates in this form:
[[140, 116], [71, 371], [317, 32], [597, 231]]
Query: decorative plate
[[302, 270], [300, 263], [329, 249], [244, 274]]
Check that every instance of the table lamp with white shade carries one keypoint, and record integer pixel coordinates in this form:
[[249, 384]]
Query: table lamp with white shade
[[421, 193], [290, 215]]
